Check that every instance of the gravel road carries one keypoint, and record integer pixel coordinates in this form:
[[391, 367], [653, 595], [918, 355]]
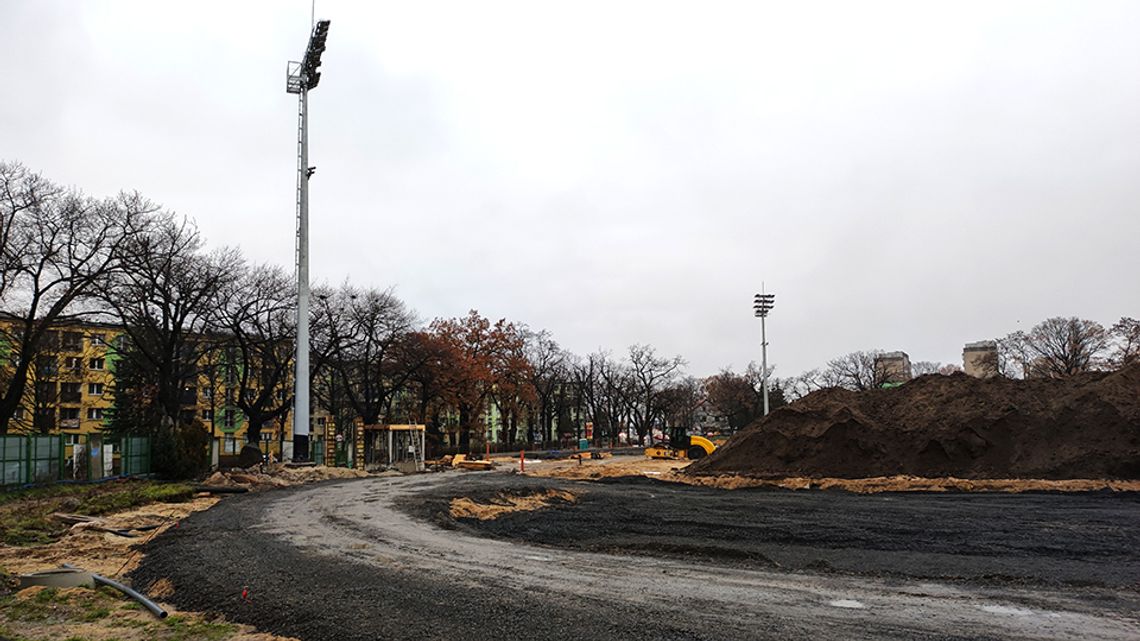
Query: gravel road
[[376, 559]]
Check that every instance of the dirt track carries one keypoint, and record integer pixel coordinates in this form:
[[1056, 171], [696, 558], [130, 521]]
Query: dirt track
[[347, 561]]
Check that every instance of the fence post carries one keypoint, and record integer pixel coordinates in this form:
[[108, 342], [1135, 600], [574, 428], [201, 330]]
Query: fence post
[[27, 459]]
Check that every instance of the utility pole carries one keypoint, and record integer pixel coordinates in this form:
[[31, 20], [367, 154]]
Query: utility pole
[[762, 304], [300, 78]]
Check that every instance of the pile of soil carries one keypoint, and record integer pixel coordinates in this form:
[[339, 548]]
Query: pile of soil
[[1083, 427], [277, 475]]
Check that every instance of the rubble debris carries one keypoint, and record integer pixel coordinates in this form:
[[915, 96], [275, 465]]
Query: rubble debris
[[276, 475]]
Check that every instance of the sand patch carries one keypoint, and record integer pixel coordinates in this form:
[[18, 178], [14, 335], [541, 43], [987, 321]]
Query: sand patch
[[503, 503], [674, 472], [102, 552], [617, 466]]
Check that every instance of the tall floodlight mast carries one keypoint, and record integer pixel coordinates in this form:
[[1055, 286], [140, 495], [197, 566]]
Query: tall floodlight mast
[[763, 303], [300, 78]]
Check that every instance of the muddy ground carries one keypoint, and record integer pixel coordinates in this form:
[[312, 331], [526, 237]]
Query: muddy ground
[[369, 560]]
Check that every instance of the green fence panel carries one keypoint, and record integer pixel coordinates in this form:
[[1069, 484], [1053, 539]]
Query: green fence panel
[[135, 455], [51, 458], [13, 460], [317, 450], [43, 459]]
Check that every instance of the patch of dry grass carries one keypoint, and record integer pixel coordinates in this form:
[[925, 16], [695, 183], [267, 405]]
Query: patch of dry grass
[[47, 614]]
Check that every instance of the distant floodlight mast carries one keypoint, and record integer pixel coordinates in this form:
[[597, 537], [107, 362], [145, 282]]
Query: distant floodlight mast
[[761, 305], [300, 78]]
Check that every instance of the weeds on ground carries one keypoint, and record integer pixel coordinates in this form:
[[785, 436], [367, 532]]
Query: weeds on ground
[[179, 628], [25, 515], [47, 613]]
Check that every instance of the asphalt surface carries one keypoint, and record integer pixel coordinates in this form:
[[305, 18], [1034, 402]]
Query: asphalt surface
[[379, 559]]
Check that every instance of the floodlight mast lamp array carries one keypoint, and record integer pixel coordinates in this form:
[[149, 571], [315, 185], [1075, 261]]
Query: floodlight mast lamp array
[[761, 305], [300, 78]]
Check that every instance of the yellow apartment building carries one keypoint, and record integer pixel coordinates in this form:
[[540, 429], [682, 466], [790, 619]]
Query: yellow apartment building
[[70, 387]]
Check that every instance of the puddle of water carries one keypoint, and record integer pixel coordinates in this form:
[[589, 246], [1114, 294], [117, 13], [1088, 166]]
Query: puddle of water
[[847, 603], [1006, 609]]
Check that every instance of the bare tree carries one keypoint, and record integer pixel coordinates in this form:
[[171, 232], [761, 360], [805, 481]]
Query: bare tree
[[1126, 348], [854, 371], [257, 318], [368, 367], [58, 245], [651, 374], [606, 391], [680, 402], [547, 370], [1056, 347], [920, 368], [167, 296], [21, 194], [329, 335]]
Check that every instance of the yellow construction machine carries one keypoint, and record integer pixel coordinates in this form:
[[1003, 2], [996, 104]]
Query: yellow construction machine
[[682, 446]]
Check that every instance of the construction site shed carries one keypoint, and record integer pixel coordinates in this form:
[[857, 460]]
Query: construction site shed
[[391, 447]]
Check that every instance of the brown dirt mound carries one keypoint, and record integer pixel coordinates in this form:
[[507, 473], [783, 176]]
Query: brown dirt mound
[[1084, 427]]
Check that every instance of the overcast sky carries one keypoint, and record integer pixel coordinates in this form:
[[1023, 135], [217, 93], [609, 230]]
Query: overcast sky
[[902, 175]]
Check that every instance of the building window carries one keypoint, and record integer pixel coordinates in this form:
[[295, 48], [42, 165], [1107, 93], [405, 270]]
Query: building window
[[70, 438], [47, 365], [69, 414], [69, 392], [97, 363], [97, 339], [208, 415], [18, 414], [72, 341], [73, 362], [94, 389], [228, 418], [45, 418], [95, 413]]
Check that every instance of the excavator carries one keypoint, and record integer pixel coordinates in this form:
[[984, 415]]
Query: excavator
[[681, 446]]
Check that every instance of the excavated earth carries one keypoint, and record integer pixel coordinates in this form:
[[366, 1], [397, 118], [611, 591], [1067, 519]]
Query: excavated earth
[[1083, 427], [419, 558]]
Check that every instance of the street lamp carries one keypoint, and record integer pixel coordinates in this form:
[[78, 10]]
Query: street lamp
[[761, 305], [300, 78]]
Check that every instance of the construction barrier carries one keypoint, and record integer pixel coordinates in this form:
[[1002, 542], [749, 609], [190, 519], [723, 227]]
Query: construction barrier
[[51, 458]]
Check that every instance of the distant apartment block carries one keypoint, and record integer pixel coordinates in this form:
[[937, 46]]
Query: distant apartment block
[[979, 359], [893, 368]]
